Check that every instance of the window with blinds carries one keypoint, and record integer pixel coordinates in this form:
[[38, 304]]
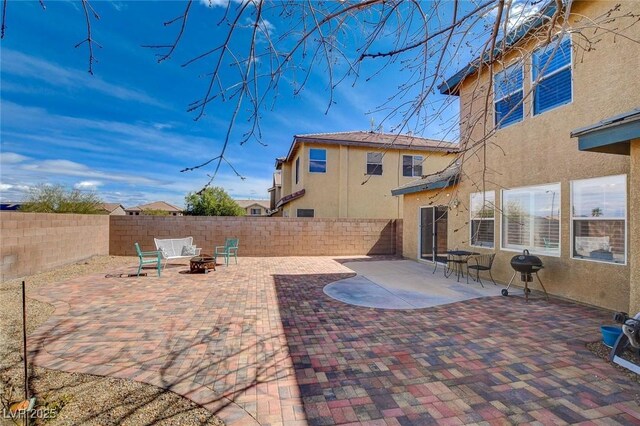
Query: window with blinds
[[531, 219], [599, 219], [374, 163], [482, 212], [507, 95], [551, 75]]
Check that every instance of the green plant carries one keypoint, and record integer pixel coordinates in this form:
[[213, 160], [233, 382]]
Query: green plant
[[58, 199], [212, 202]]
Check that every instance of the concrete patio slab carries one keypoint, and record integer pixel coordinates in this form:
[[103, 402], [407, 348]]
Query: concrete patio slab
[[404, 284], [260, 343]]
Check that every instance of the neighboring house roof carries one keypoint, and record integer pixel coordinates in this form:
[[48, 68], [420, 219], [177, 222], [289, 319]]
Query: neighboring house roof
[[289, 198], [245, 204], [443, 179], [373, 140], [277, 181], [611, 135], [109, 207], [452, 85], [156, 205]]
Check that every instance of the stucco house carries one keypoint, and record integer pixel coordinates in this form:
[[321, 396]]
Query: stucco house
[[112, 209], [351, 174], [157, 206], [533, 187], [254, 207]]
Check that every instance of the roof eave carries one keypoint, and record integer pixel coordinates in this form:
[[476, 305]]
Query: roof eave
[[440, 184]]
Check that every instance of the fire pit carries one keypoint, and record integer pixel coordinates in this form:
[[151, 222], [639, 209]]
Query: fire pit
[[526, 265]]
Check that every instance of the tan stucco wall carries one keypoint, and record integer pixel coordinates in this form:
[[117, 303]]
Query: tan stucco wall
[[539, 150], [634, 228], [340, 191]]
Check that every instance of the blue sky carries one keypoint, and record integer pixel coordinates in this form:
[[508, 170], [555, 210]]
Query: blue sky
[[125, 131]]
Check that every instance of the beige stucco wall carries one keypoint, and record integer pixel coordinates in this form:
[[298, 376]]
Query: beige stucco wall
[[340, 191], [634, 228], [539, 150]]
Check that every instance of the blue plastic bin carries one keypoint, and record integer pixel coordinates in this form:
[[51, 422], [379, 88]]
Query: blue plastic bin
[[610, 334]]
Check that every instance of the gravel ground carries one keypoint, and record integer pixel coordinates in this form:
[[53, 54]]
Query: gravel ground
[[603, 352], [81, 399]]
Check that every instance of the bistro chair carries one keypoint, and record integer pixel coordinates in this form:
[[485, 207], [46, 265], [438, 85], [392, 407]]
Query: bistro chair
[[230, 248], [480, 263], [148, 258]]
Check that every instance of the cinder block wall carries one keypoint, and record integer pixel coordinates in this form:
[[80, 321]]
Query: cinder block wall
[[37, 242], [259, 236]]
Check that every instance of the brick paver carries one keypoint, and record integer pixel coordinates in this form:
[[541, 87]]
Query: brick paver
[[260, 343]]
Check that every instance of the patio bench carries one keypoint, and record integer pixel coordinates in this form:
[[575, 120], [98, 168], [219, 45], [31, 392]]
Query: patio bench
[[176, 248]]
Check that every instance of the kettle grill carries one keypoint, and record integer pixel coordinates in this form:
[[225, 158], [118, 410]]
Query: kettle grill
[[526, 265]]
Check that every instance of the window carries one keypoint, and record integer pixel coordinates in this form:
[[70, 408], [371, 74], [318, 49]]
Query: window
[[482, 218], [317, 160], [531, 219], [374, 163], [507, 93], [598, 218], [551, 69], [411, 165], [297, 170], [255, 212], [305, 213]]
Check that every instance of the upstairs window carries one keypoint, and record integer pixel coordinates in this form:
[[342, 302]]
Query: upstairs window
[[412, 165], [297, 170], [598, 216], [374, 163], [317, 160], [531, 219], [482, 218], [507, 92], [551, 73]]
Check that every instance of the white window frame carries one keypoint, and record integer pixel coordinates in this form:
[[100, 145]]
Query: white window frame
[[325, 160], [532, 249], [258, 210], [533, 83], [413, 164], [472, 218], [366, 171], [495, 101], [626, 222]]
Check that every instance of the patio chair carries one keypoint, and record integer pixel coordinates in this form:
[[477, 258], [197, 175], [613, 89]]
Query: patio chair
[[230, 248], [148, 258], [480, 263]]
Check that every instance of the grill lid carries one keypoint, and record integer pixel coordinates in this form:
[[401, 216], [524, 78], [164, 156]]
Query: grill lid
[[526, 263]]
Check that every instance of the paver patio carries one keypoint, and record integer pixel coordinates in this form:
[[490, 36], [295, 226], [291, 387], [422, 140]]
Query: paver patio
[[260, 343]]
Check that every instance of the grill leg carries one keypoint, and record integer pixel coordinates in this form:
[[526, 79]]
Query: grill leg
[[511, 280], [545, 290]]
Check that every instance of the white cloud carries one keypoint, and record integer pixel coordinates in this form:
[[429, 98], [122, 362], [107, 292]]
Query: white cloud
[[11, 158], [31, 67], [5, 187], [88, 185], [218, 3], [71, 168]]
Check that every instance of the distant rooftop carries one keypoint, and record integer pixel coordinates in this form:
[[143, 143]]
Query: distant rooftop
[[156, 205], [247, 203], [110, 207]]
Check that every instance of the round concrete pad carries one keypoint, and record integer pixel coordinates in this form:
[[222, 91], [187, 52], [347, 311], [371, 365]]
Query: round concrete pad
[[360, 291], [403, 284]]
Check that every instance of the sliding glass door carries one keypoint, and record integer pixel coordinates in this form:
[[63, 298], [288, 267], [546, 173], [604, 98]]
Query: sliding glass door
[[433, 233]]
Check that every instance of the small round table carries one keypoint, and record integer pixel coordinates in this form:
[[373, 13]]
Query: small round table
[[202, 264]]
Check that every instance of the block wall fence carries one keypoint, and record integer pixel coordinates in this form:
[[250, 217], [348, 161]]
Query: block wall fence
[[37, 242], [261, 236]]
